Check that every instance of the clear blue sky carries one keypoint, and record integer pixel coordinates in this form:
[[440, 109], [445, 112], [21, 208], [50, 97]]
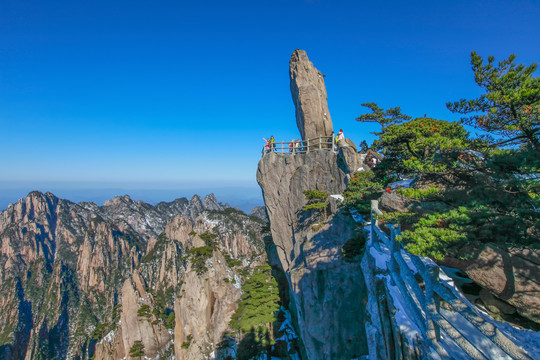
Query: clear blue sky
[[172, 94]]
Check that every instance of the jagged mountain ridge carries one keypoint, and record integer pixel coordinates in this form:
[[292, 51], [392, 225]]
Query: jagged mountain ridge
[[74, 277], [150, 220]]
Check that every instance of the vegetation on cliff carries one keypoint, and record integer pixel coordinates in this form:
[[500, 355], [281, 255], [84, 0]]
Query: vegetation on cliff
[[467, 190], [259, 302], [77, 277], [256, 313]]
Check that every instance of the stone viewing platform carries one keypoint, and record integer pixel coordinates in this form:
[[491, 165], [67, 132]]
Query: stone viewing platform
[[301, 146]]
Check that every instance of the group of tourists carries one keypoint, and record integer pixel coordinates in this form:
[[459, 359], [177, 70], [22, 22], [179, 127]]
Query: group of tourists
[[296, 146], [270, 144]]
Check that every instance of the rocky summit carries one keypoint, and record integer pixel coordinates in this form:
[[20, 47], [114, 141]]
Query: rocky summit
[[353, 291], [122, 280], [309, 97]]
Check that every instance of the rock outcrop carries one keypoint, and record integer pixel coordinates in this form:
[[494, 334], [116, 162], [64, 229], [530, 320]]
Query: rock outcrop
[[283, 179], [512, 276], [259, 212], [204, 310], [325, 290], [309, 97], [84, 281]]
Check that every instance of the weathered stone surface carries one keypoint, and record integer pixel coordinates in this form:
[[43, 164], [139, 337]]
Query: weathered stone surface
[[309, 97], [83, 263], [494, 304], [140, 328], [259, 212], [349, 160], [325, 290], [283, 179], [394, 202], [347, 143], [512, 276], [204, 310]]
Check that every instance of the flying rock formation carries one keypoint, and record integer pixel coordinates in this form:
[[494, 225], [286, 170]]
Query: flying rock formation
[[309, 97], [325, 290]]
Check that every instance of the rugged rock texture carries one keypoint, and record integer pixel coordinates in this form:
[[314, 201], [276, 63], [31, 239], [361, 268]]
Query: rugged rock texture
[[394, 202], [204, 310], [283, 179], [81, 281], [309, 97], [512, 276], [260, 212], [148, 220], [325, 290]]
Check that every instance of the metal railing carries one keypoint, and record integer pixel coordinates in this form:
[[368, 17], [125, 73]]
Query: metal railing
[[301, 146], [424, 296]]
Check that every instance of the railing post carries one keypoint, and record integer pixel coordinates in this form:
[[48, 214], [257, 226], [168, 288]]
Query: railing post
[[433, 303], [372, 222], [395, 230], [320, 145], [374, 210]]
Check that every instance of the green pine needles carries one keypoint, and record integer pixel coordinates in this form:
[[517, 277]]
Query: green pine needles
[[317, 200], [137, 349], [468, 191], [260, 301]]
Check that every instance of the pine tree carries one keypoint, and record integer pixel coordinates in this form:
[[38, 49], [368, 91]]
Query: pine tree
[[422, 147], [259, 302], [383, 117], [510, 107], [256, 313], [137, 349]]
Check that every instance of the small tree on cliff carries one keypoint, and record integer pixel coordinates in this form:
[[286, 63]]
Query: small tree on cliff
[[259, 301], [256, 312], [317, 200], [137, 350]]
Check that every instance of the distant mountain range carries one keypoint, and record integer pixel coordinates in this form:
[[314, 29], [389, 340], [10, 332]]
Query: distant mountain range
[[124, 279], [245, 198]]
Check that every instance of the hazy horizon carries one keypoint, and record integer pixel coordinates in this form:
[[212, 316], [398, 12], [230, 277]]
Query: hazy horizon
[[244, 197]]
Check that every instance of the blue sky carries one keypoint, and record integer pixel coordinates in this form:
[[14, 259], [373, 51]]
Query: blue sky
[[176, 95]]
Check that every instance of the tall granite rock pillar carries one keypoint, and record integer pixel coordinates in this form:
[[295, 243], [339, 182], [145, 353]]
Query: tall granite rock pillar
[[326, 291], [309, 97]]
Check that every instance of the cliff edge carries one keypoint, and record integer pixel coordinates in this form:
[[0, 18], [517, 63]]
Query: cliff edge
[[325, 291]]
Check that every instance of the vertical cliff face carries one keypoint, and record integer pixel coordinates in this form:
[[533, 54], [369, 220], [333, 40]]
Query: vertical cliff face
[[79, 281], [326, 291], [309, 97], [283, 179]]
